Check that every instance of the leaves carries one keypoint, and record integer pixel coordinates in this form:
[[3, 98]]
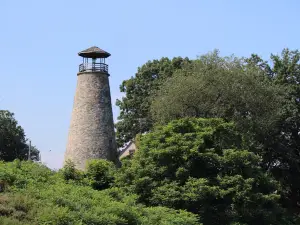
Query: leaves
[[219, 87], [134, 107], [190, 164], [46, 199]]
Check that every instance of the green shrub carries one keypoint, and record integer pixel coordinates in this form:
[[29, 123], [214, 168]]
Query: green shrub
[[70, 172], [100, 173]]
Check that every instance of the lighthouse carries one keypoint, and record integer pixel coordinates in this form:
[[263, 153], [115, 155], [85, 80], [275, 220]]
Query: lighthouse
[[91, 133]]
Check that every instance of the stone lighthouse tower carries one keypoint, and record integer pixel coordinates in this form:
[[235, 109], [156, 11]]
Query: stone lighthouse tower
[[91, 133]]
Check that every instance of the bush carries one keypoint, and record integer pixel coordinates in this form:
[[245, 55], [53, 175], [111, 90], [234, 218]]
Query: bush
[[69, 172], [100, 173]]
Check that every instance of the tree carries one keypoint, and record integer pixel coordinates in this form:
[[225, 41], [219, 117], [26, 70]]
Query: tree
[[134, 107], [261, 97], [196, 165], [12, 139], [222, 87], [281, 149]]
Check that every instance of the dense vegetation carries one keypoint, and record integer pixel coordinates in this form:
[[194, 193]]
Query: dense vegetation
[[190, 171], [135, 114], [32, 194], [218, 143], [260, 97], [198, 165]]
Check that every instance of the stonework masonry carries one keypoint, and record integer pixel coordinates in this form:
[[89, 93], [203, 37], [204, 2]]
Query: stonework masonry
[[91, 132]]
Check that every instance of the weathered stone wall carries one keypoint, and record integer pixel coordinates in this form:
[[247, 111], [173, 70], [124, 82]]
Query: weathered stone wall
[[91, 133]]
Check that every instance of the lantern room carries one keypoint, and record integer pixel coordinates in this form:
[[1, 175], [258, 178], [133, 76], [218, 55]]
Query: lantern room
[[93, 60]]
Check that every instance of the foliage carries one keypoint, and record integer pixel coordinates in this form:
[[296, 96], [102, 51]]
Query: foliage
[[222, 87], [134, 115], [12, 139], [70, 172], [281, 146], [37, 195], [100, 173], [195, 164], [261, 97]]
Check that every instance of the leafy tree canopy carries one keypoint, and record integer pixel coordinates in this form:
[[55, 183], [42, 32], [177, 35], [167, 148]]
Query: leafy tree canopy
[[282, 146], [196, 165], [261, 97], [222, 87], [134, 107]]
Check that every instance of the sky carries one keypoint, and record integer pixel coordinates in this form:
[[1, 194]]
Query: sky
[[39, 42]]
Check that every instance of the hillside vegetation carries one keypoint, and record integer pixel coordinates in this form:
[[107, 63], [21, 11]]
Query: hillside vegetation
[[33, 194], [190, 171]]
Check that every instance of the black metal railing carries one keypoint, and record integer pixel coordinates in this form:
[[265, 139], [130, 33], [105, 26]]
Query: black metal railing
[[93, 67]]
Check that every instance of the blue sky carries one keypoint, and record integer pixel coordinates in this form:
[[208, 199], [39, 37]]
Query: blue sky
[[39, 42]]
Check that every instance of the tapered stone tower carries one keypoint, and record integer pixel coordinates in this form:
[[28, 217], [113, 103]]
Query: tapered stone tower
[[91, 133]]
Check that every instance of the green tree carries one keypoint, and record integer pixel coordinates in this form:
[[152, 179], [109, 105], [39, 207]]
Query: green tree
[[195, 164], [134, 107], [12, 139], [222, 87], [281, 147]]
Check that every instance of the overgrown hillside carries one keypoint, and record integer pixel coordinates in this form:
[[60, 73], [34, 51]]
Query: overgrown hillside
[[32, 194]]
